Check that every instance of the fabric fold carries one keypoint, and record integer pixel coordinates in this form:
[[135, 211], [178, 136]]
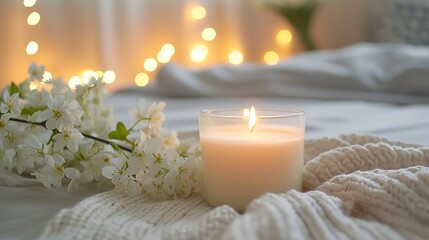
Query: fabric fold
[[378, 72], [358, 187]]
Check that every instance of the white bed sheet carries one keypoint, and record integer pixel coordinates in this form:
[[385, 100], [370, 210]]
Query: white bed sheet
[[323, 118], [24, 211]]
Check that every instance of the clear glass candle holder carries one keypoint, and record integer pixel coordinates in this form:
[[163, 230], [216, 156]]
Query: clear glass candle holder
[[246, 155]]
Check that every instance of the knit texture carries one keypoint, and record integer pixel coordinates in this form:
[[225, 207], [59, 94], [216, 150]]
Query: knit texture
[[355, 187]]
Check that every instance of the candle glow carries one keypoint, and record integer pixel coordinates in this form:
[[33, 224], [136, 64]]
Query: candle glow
[[252, 119], [232, 150]]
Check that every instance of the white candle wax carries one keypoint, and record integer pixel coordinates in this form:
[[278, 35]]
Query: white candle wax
[[239, 165]]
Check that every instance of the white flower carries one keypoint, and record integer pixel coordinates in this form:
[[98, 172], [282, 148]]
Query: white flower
[[188, 148], [93, 167], [98, 159], [139, 112], [157, 156], [159, 165], [160, 173], [51, 174], [128, 185], [153, 114], [68, 138], [171, 140], [4, 123], [160, 187], [58, 115], [13, 137], [140, 149], [122, 177], [156, 116], [11, 103], [95, 156], [23, 164], [189, 177], [59, 87], [38, 99], [41, 132], [138, 156], [75, 111], [90, 148], [6, 158], [36, 72], [36, 151], [75, 176]]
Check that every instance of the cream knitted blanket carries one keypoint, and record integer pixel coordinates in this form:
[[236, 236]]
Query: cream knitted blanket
[[356, 187]]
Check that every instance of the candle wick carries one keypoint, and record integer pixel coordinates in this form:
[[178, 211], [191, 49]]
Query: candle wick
[[253, 127]]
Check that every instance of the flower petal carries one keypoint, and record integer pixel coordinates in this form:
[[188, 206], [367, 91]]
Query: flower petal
[[108, 171]]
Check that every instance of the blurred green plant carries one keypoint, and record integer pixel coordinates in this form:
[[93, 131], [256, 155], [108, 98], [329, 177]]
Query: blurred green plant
[[299, 13]]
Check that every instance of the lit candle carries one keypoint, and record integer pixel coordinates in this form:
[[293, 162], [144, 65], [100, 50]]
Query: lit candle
[[245, 156]]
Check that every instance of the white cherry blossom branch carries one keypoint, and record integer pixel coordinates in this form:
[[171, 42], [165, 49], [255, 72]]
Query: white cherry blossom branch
[[43, 124]]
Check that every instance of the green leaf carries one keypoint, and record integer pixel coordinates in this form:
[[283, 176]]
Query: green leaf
[[120, 133], [31, 110], [114, 146], [13, 89]]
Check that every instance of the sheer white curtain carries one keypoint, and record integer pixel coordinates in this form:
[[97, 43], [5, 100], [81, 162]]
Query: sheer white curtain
[[79, 35]]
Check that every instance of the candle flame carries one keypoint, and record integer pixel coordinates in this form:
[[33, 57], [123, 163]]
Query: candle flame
[[246, 113], [252, 119]]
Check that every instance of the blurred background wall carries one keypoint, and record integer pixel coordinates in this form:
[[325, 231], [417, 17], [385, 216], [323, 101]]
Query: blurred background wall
[[81, 38]]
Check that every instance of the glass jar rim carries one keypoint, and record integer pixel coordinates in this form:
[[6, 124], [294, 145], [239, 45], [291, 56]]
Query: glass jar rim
[[279, 113]]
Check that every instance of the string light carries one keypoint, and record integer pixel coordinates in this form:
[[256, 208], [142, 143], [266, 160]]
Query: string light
[[169, 48], [163, 56], [33, 86], [87, 76], [32, 48], [29, 3], [198, 53], [198, 12], [46, 76], [271, 58], [109, 76], [284, 36], [74, 81], [235, 57], [150, 65], [33, 18], [99, 73], [142, 79], [208, 34]]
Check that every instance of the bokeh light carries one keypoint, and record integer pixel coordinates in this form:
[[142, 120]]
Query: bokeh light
[[198, 12], [169, 48], [163, 56], [99, 73], [33, 18], [32, 48], [150, 64], [46, 76], [33, 86], [142, 79], [284, 36], [109, 76], [271, 58], [235, 57], [208, 34], [74, 81], [29, 3], [87, 76], [198, 53]]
